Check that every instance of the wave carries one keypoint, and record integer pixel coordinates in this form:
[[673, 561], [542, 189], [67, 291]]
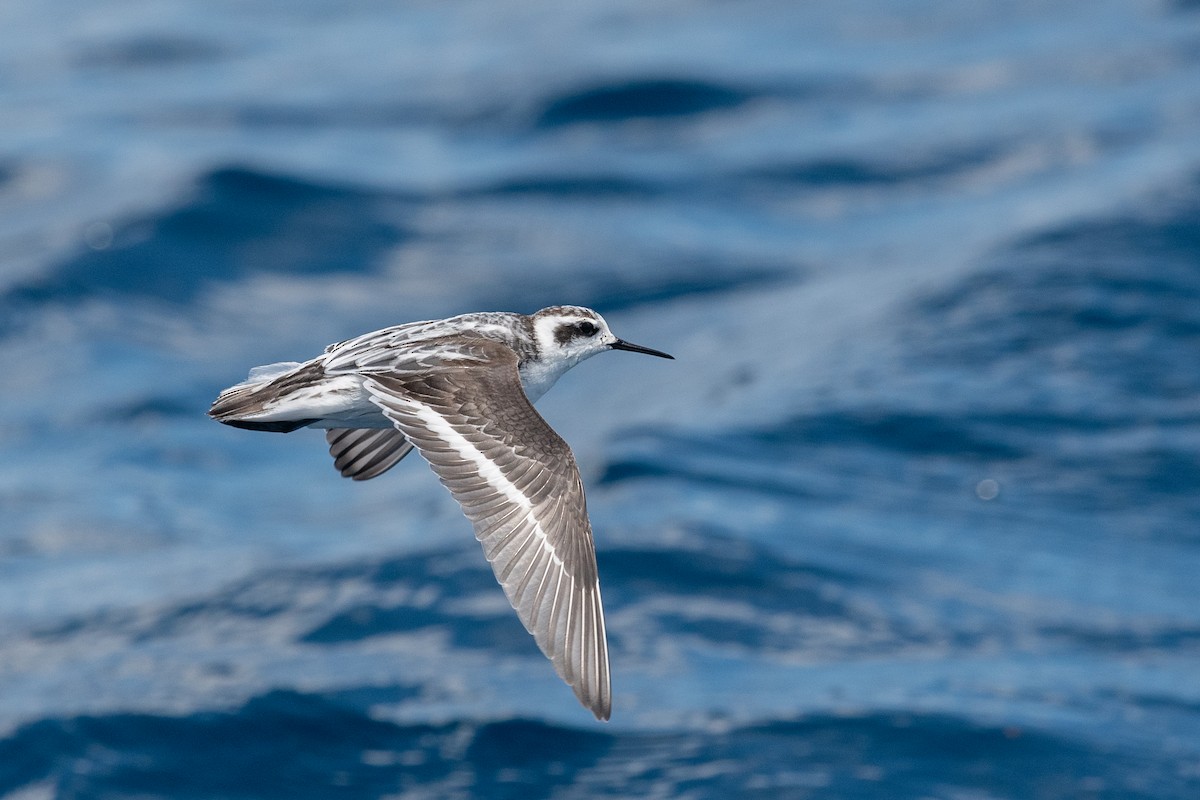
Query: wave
[[711, 587], [235, 222], [149, 52], [238, 223], [1081, 300], [858, 172], [298, 745], [644, 98]]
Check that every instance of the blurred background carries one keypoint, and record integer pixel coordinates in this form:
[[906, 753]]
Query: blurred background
[[913, 515]]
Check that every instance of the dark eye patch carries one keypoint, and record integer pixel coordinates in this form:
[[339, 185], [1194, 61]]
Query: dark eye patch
[[569, 331]]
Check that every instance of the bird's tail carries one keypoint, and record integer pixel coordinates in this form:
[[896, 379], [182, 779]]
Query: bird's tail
[[240, 404]]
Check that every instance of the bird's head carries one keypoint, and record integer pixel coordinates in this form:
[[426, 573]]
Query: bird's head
[[569, 334]]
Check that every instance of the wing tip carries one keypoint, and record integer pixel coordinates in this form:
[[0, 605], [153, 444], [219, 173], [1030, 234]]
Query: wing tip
[[530, 540], [602, 711]]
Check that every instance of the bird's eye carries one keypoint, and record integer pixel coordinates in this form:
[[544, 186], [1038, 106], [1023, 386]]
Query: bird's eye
[[586, 328]]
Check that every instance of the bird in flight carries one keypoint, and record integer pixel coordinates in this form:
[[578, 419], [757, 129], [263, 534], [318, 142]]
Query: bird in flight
[[461, 391]]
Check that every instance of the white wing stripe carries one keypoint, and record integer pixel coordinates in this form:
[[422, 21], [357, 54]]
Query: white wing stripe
[[456, 442], [445, 432], [521, 512]]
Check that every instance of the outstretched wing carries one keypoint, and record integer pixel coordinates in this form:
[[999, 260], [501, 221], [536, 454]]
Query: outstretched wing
[[516, 480], [365, 453]]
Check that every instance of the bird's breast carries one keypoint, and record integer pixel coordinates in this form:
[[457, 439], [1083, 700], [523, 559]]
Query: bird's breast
[[538, 376]]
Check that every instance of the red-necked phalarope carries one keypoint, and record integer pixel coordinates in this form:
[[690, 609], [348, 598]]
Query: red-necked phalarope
[[460, 390]]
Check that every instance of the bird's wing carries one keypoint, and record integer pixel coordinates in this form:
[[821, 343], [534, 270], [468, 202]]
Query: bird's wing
[[366, 343], [516, 480], [365, 453], [379, 350]]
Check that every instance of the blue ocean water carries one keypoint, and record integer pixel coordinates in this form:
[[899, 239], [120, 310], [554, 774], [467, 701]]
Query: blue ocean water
[[914, 514]]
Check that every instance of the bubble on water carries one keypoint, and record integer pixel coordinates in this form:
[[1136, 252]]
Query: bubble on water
[[98, 236], [987, 489]]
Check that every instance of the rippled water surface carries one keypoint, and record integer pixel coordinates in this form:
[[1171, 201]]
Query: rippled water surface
[[915, 513]]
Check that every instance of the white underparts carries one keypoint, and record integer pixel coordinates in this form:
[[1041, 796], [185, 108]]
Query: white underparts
[[337, 402]]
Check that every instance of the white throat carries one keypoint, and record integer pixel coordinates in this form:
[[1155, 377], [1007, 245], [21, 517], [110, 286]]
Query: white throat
[[538, 376]]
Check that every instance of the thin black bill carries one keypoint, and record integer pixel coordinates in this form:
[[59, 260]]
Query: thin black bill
[[621, 344]]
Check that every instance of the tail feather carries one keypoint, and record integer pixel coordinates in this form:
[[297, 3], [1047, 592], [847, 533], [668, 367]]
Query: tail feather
[[243, 400], [239, 405], [269, 372], [273, 427]]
